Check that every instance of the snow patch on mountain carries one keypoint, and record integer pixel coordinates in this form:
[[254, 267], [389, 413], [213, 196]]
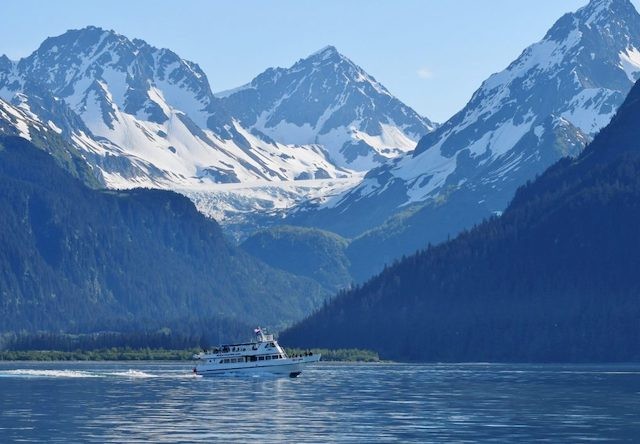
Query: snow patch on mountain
[[587, 110], [142, 114], [243, 206], [16, 118], [546, 104], [326, 99], [630, 62]]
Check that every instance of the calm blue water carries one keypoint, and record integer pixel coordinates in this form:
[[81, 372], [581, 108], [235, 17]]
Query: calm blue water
[[150, 402]]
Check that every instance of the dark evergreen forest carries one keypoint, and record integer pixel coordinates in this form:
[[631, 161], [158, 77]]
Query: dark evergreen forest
[[310, 252], [75, 259]]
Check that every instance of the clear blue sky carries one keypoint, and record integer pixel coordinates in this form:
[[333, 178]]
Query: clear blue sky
[[432, 54]]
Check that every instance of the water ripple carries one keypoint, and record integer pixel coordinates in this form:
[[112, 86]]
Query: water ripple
[[148, 402]]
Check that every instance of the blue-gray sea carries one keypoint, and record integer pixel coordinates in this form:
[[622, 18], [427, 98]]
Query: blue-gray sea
[[163, 402]]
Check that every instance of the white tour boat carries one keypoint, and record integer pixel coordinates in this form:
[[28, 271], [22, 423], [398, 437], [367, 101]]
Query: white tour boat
[[264, 355]]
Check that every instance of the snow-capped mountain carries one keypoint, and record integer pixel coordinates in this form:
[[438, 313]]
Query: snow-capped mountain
[[547, 104], [326, 99], [144, 116]]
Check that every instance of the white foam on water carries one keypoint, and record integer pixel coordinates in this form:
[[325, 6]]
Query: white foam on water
[[128, 374], [132, 374], [33, 373], [180, 374]]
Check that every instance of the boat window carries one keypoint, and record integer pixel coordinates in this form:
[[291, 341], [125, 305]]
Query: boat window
[[268, 358], [220, 362], [260, 358], [226, 361], [252, 358]]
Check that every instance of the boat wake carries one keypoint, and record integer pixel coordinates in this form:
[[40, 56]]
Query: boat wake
[[31, 373], [131, 374], [128, 374]]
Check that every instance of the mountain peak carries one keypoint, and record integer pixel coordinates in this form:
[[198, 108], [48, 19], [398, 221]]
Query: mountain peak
[[81, 41], [89, 51], [325, 56], [325, 53], [5, 61], [597, 10], [601, 5], [327, 99], [130, 73], [86, 32], [92, 38], [548, 103], [96, 29], [600, 16]]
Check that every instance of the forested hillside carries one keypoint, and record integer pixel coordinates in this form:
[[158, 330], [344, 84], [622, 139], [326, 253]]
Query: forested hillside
[[555, 278], [317, 254], [77, 259]]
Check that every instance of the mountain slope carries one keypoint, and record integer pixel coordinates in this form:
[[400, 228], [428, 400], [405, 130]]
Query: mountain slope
[[76, 259], [309, 252], [143, 116], [152, 111], [553, 279], [20, 121], [326, 99], [547, 104]]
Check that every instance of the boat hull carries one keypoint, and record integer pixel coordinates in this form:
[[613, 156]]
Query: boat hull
[[285, 367]]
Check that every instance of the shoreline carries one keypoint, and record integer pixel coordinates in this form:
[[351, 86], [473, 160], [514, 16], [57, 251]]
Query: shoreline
[[160, 355]]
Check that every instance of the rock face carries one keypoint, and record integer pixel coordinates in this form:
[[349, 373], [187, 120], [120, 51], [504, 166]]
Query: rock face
[[547, 104], [326, 99]]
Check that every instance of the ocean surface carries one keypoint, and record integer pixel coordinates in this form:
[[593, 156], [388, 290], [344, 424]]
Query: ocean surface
[[164, 402]]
